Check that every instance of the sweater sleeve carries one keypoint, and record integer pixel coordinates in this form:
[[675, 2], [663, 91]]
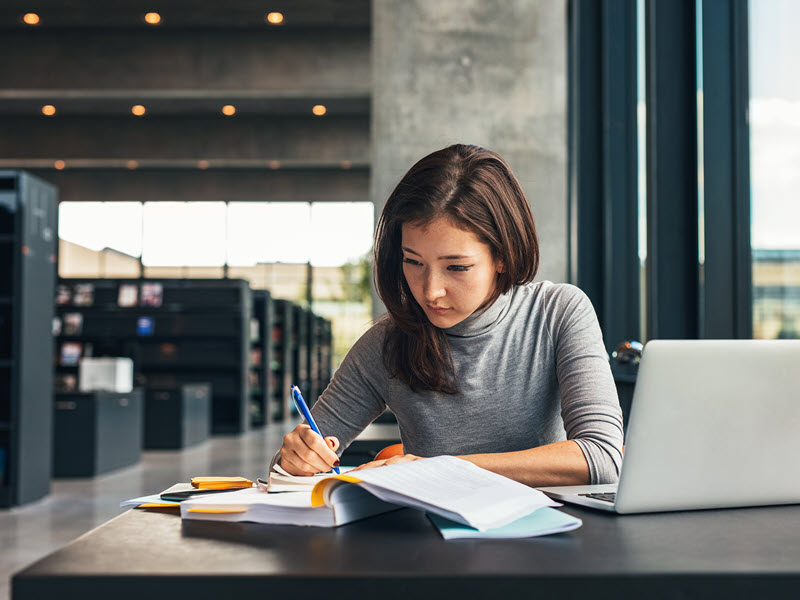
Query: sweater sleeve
[[589, 403], [354, 397]]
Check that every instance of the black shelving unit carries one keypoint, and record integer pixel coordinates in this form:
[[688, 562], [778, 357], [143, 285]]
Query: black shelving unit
[[300, 353], [282, 361], [191, 331], [96, 432], [261, 359], [27, 273], [322, 354]]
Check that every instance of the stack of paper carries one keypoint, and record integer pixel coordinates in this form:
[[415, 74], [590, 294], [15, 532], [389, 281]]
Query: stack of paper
[[292, 508]]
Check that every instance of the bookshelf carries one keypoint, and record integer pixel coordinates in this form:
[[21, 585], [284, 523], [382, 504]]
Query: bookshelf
[[177, 331], [27, 274], [261, 346], [300, 354], [321, 353], [282, 361]]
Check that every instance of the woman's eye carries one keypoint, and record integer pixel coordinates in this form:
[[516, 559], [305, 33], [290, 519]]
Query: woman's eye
[[459, 268], [410, 261]]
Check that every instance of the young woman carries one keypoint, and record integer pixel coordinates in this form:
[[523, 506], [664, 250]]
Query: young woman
[[473, 358]]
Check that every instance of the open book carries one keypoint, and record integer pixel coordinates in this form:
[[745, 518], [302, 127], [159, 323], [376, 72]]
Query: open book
[[446, 486]]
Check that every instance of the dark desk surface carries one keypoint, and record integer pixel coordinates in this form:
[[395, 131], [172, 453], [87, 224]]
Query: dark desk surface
[[748, 553]]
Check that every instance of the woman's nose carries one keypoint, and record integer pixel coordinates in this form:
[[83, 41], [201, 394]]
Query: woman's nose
[[433, 287]]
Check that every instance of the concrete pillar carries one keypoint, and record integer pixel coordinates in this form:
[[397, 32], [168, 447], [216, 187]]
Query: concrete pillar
[[486, 72]]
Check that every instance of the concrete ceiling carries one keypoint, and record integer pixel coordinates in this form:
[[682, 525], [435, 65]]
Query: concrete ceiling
[[182, 14]]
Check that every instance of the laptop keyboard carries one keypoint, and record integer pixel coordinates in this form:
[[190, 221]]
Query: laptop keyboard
[[604, 496]]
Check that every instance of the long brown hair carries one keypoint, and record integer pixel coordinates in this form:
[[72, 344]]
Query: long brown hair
[[477, 191]]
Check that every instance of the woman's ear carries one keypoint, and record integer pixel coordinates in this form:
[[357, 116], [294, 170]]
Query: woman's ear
[[500, 267]]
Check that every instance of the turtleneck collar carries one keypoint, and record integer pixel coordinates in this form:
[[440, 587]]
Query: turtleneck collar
[[481, 320]]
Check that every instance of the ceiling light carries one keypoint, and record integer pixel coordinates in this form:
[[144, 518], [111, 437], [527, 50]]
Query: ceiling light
[[319, 110], [274, 164], [138, 110], [275, 18], [345, 164], [131, 165], [48, 110], [202, 164], [59, 164], [228, 110], [31, 19], [152, 18]]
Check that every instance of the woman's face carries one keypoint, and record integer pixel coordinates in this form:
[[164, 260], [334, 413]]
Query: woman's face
[[450, 271]]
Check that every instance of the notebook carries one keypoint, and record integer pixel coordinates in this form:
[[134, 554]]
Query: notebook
[[444, 485], [282, 481], [714, 424], [542, 521]]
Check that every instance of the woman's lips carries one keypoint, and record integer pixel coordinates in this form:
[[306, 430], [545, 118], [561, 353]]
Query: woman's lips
[[437, 309]]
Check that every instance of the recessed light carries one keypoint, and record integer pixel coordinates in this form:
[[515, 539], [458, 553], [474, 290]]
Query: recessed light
[[345, 164], [202, 164], [48, 110], [274, 164], [60, 165], [152, 18], [131, 165], [138, 110], [31, 19], [228, 110], [319, 110], [275, 18]]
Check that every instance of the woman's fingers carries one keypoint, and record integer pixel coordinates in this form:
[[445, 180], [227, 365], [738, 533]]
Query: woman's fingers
[[304, 452], [320, 446], [388, 461]]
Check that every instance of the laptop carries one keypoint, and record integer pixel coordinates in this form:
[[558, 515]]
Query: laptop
[[713, 424]]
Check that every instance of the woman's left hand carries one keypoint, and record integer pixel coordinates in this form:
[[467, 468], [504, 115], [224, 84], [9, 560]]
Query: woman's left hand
[[394, 460]]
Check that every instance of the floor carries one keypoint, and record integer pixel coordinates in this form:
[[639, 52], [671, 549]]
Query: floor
[[75, 506]]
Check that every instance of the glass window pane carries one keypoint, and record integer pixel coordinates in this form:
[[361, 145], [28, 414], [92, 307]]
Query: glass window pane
[[103, 239], [268, 232], [775, 178], [98, 225], [184, 234], [341, 232]]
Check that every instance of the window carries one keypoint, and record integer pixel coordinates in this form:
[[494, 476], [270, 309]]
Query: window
[[775, 154]]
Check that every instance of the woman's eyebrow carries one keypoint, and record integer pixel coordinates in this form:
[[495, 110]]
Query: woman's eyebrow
[[448, 257]]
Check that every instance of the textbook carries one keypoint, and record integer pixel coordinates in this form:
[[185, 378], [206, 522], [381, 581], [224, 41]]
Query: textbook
[[444, 485]]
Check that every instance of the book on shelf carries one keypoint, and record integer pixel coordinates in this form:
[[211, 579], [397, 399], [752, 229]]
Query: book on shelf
[[152, 294], [70, 354], [63, 295], [83, 294], [128, 295], [444, 485], [72, 324], [145, 326]]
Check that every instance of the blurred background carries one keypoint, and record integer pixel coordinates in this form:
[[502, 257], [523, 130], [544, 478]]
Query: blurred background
[[189, 189]]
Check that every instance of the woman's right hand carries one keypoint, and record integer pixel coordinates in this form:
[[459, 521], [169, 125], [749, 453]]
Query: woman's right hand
[[304, 452]]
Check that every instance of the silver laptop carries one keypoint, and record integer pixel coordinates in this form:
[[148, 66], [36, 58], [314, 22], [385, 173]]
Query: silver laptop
[[713, 424]]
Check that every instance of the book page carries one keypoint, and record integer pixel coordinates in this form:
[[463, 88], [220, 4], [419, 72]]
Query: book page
[[481, 498]]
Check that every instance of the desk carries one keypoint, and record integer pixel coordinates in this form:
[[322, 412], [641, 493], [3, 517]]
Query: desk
[[741, 553]]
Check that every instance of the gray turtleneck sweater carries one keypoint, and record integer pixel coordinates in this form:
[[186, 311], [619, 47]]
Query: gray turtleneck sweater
[[531, 370]]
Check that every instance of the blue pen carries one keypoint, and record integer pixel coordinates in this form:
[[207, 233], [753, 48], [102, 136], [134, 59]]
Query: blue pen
[[301, 405]]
